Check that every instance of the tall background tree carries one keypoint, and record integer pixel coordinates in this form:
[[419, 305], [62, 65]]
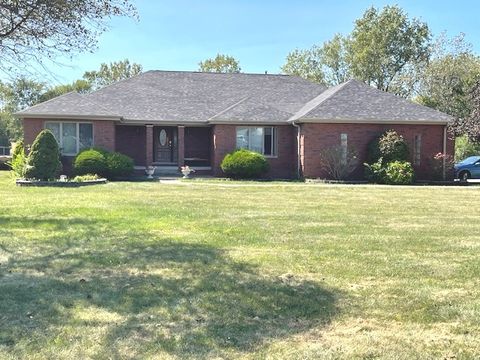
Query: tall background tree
[[35, 30], [110, 73], [383, 50], [221, 64]]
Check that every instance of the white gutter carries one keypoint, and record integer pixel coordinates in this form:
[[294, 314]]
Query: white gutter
[[298, 147], [444, 166], [371, 121]]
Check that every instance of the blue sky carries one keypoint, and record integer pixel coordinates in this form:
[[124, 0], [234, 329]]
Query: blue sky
[[178, 34]]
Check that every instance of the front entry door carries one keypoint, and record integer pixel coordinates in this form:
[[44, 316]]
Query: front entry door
[[166, 145]]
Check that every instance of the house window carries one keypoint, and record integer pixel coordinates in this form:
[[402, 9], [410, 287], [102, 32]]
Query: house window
[[344, 147], [71, 136], [417, 149], [259, 139]]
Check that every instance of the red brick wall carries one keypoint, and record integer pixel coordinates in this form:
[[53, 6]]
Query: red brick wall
[[282, 166], [319, 136], [130, 140], [31, 128], [104, 134]]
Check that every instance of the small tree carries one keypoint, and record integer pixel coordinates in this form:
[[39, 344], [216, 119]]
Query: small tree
[[390, 146], [43, 161], [338, 163], [18, 162]]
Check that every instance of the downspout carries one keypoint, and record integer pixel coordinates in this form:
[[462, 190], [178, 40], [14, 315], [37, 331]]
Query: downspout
[[298, 148], [444, 171]]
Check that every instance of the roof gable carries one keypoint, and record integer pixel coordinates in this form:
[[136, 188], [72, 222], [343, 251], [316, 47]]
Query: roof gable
[[356, 101]]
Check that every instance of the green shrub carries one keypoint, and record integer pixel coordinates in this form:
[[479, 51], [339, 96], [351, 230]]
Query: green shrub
[[390, 146], [43, 161], [399, 173], [91, 161], [101, 162], [119, 165], [376, 172], [244, 164], [86, 177]]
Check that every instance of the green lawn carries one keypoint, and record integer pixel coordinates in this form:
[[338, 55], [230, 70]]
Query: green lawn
[[239, 270]]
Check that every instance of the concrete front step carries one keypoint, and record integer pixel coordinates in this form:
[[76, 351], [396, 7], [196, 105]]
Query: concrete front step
[[167, 170]]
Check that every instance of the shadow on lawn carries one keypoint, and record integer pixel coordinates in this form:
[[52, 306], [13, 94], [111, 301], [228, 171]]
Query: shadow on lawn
[[179, 298]]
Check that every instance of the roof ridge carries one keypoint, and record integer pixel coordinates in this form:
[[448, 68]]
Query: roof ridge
[[229, 108], [318, 100], [218, 73]]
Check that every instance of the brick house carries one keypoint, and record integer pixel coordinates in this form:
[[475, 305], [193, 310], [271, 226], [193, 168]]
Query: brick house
[[171, 118]]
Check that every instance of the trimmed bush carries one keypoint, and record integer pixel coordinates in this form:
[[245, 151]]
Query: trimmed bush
[[390, 146], [43, 161], [244, 164], [101, 162], [399, 173], [91, 161], [119, 165]]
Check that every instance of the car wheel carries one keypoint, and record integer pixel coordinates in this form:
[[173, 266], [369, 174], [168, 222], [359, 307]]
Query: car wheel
[[464, 175]]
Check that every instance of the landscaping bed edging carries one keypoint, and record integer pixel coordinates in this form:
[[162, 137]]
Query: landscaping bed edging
[[22, 182]]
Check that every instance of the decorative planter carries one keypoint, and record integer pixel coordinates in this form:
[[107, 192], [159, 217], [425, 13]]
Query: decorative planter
[[150, 171], [186, 173]]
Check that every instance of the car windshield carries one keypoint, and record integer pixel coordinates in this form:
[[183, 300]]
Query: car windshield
[[469, 160]]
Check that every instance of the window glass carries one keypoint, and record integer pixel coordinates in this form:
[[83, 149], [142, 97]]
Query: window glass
[[259, 139], [417, 145], [69, 138], [55, 129], [242, 138], [85, 136], [256, 139], [344, 147], [268, 141]]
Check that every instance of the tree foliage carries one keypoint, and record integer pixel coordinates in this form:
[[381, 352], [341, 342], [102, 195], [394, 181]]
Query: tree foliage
[[470, 125], [15, 96], [449, 77], [383, 50], [32, 30], [325, 64], [384, 45], [110, 73], [220, 64]]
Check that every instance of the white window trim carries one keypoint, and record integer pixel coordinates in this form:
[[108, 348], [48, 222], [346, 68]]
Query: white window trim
[[60, 140], [274, 142]]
